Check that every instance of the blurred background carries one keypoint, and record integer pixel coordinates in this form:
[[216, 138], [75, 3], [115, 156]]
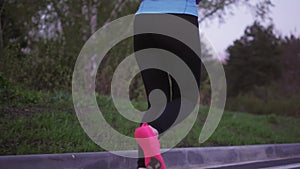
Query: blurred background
[[257, 41]]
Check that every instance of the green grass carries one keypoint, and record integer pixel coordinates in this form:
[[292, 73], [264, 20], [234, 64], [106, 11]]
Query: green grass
[[50, 125], [44, 132], [238, 128]]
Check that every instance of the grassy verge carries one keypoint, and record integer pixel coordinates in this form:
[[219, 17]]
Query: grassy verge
[[50, 125]]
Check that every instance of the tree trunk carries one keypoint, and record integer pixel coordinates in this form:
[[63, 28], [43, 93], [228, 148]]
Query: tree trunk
[[1, 29], [1, 35]]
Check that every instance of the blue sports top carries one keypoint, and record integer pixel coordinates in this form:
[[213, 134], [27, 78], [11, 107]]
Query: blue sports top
[[169, 6]]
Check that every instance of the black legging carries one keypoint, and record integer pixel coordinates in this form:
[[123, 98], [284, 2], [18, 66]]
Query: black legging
[[158, 79]]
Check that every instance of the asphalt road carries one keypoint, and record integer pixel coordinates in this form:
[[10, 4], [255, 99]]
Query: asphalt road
[[291, 163]]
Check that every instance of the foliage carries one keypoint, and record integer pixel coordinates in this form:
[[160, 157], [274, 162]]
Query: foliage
[[254, 60], [211, 9], [39, 48], [13, 95], [40, 43], [265, 100], [290, 60]]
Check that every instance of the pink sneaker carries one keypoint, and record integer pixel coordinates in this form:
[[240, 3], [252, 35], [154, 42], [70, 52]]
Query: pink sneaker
[[149, 142]]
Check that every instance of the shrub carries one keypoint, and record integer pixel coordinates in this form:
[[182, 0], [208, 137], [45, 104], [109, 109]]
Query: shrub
[[267, 103]]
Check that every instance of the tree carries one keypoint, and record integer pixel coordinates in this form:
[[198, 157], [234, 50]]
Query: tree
[[254, 59], [290, 60], [210, 9], [10, 28], [53, 32]]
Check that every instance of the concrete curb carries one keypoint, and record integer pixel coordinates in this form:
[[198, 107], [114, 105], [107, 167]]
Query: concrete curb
[[180, 158]]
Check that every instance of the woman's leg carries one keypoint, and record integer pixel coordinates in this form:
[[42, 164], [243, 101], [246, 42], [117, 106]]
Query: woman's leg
[[157, 79], [192, 60], [152, 78], [189, 57]]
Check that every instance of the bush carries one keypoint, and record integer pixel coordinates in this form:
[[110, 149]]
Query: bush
[[45, 68], [267, 101], [13, 95], [7, 91]]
